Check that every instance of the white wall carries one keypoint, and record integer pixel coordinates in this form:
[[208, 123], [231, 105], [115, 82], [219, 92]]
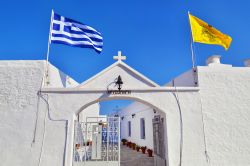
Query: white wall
[[91, 111], [141, 111], [105, 79], [224, 92], [19, 83], [57, 78], [23, 119], [186, 79], [225, 95]]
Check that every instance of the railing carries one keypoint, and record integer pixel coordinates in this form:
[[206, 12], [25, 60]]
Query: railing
[[97, 140]]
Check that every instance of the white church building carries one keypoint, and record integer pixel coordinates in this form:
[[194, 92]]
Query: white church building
[[137, 123], [200, 118]]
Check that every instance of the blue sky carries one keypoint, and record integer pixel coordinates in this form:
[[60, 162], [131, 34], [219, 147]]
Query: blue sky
[[154, 35], [112, 106]]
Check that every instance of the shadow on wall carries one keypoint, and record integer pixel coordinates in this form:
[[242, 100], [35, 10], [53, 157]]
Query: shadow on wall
[[63, 78]]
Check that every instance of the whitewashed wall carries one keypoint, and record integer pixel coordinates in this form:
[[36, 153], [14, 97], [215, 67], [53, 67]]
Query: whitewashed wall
[[57, 78], [225, 102], [19, 83], [91, 111], [141, 111], [224, 94], [22, 115], [186, 79]]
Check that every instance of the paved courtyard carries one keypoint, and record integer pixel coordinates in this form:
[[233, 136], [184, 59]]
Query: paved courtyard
[[131, 157]]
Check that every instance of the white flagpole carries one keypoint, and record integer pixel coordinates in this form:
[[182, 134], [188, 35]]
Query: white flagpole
[[47, 57], [191, 43]]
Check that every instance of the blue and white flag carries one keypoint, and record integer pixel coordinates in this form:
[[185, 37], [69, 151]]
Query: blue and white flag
[[73, 33]]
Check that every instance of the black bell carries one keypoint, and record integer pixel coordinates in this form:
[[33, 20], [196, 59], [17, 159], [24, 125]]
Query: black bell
[[119, 82]]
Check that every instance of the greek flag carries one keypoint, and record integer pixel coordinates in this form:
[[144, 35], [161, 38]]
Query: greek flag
[[67, 31]]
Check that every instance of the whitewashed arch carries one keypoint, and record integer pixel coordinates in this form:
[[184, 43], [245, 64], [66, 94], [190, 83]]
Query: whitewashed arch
[[120, 97], [68, 102]]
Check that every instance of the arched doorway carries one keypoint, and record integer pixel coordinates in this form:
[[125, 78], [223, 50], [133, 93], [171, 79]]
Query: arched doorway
[[100, 143], [66, 103]]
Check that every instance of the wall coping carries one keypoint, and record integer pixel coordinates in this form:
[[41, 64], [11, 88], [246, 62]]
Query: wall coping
[[95, 90]]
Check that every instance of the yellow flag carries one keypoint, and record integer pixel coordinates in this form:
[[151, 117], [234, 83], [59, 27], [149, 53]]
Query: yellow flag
[[205, 33]]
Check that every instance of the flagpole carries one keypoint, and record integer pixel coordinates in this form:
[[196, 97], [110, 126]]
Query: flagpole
[[192, 50], [191, 43], [48, 49]]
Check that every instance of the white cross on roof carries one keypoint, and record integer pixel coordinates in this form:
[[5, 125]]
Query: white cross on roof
[[119, 57]]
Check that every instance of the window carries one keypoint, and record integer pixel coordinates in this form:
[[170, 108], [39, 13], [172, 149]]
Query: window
[[129, 128], [142, 125]]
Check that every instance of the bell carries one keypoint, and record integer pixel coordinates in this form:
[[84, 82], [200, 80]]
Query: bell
[[119, 82]]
